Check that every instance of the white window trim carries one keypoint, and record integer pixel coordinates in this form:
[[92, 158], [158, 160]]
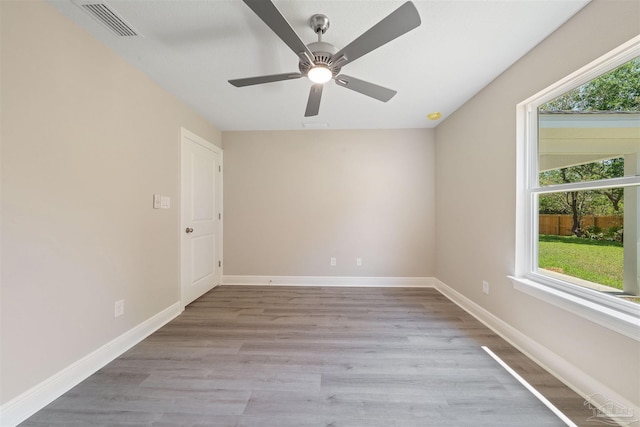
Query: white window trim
[[607, 311]]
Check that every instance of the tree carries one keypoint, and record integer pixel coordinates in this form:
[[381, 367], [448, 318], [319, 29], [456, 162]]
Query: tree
[[581, 203], [613, 168], [617, 90]]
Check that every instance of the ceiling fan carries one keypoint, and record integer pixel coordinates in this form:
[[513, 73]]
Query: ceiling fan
[[321, 61]]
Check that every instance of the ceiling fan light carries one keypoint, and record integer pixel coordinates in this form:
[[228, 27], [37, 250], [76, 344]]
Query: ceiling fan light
[[319, 74]]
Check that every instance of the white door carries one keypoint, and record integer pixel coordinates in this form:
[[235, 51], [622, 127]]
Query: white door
[[201, 217]]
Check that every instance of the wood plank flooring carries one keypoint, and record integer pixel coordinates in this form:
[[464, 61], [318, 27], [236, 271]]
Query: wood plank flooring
[[312, 356]]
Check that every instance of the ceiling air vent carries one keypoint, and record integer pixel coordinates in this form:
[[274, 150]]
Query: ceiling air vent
[[107, 16]]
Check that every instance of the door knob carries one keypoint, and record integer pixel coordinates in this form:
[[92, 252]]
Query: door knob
[[189, 230]]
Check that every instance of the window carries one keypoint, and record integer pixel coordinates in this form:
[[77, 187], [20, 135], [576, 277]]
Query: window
[[578, 224]]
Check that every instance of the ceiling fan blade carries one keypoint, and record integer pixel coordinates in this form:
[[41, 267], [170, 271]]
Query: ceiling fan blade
[[313, 104], [264, 79], [374, 91], [271, 16], [402, 20]]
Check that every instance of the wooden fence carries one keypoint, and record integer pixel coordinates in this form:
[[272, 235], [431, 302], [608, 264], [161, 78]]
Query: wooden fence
[[560, 225]]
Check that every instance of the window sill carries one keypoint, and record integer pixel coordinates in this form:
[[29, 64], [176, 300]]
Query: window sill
[[619, 316]]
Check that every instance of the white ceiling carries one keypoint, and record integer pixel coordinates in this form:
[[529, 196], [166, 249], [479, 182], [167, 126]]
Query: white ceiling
[[192, 47]]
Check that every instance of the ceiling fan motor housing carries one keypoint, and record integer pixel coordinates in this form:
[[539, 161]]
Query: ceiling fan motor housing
[[322, 55]]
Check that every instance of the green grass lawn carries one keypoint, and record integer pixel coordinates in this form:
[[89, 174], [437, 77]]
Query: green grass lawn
[[597, 261]]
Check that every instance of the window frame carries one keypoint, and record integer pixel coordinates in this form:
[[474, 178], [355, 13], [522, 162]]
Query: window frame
[[608, 311]]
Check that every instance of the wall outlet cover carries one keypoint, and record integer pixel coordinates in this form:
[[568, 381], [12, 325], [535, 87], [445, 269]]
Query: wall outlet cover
[[118, 308]]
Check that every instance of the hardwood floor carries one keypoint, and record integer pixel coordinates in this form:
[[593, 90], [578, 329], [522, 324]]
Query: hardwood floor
[[311, 356]]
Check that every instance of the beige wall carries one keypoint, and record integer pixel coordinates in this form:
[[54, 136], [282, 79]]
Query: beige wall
[[476, 156], [293, 200], [86, 141]]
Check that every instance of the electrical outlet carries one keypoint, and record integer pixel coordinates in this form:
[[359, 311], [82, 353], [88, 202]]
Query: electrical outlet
[[333, 262], [485, 287], [118, 308], [359, 262], [157, 201]]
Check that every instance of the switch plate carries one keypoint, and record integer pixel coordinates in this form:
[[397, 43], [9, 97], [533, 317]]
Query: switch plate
[[118, 308], [165, 202], [157, 201], [485, 287], [333, 262], [359, 262]]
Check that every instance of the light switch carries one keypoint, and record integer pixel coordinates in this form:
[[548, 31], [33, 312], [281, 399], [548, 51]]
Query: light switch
[[165, 202], [156, 201]]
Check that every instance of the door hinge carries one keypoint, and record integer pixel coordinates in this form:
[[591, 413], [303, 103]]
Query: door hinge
[[219, 263], [219, 168], [219, 216]]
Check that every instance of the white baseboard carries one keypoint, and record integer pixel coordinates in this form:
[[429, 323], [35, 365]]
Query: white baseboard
[[579, 381], [31, 401], [404, 282]]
